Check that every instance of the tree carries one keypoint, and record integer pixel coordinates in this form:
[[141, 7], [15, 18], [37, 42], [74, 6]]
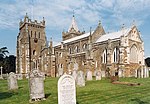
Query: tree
[[147, 61], [3, 52]]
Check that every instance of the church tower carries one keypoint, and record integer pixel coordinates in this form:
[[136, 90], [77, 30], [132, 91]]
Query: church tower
[[73, 30], [30, 41]]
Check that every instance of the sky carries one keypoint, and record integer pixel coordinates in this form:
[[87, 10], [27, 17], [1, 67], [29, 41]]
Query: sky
[[58, 15]]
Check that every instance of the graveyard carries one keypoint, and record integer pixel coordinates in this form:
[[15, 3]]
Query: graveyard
[[94, 92]]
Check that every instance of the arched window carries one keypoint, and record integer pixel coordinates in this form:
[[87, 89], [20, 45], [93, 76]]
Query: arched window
[[84, 47], [34, 52], [69, 50], [35, 34], [31, 33], [76, 50], [133, 54], [104, 56], [116, 55], [39, 34]]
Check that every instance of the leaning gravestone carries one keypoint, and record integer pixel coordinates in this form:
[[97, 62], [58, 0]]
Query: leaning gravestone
[[80, 79], [66, 90], [12, 81], [36, 85], [98, 75], [89, 76]]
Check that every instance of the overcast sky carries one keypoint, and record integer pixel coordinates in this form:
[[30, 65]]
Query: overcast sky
[[58, 15]]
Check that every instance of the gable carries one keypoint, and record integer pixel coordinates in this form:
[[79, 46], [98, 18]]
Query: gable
[[134, 34]]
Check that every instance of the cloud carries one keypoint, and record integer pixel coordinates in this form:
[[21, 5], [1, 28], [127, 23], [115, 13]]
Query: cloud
[[58, 12]]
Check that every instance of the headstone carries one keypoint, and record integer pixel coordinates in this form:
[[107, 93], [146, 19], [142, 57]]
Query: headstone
[[1, 77], [36, 85], [19, 76], [74, 74], [89, 75], [66, 90], [12, 81], [98, 75], [80, 79], [75, 66], [60, 71]]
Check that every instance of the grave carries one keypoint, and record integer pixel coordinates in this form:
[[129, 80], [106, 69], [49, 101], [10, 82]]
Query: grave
[[19, 76], [74, 74], [60, 70], [36, 85], [66, 90], [89, 75], [80, 79], [98, 75], [1, 77], [76, 66], [12, 81]]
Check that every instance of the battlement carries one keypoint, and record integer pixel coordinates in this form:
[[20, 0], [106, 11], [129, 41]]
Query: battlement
[[32, 23]]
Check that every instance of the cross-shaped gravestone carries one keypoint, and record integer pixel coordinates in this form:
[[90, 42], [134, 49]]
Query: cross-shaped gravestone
[[1, 77]]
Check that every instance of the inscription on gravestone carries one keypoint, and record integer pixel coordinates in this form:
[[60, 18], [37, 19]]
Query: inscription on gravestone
[[66, 90]]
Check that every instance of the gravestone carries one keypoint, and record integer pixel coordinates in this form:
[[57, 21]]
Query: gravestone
[[98, 75], [74, 74], [89, 75], [60, 71], [80, 79], [1, 76], [36, 85], [66, 90], [76, 66], [12, 81], [19, 76]]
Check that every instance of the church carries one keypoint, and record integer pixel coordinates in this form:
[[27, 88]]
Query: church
[[118, 53]]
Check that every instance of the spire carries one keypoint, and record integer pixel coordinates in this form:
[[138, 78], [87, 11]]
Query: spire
[[73, 24], [133, 23], [99, 23]]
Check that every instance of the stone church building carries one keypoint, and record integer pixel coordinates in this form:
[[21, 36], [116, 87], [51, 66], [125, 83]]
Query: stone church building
[[117, 53]]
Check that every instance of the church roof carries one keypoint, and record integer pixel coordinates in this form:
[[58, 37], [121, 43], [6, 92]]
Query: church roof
[[76, 38], [73, 25], [114, 35]]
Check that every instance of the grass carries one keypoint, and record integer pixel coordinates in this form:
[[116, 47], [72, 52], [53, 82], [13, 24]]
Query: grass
[[95, 92]]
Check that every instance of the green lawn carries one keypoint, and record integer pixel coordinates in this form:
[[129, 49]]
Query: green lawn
[[95, 92]]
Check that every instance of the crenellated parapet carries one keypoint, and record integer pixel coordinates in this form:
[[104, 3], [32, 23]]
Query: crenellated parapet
[[34, 23]]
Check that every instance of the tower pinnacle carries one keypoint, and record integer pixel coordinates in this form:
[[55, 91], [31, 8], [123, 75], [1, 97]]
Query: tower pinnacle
[[73, 25]]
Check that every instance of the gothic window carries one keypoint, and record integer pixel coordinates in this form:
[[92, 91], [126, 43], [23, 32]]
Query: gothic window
[[39, 34], [31, 33], [76, 50], [84, 47], [115, 55], [104, 56], [133, 54], [61, 65], [34, 52], [35, 34], [69, 50]]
